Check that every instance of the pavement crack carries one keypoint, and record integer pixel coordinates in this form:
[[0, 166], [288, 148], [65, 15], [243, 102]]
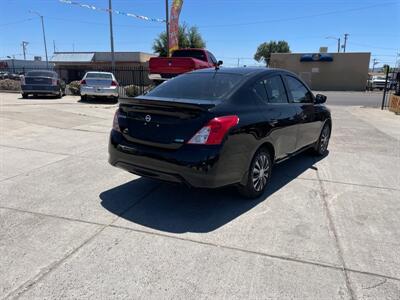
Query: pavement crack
[[376, 285], [332, 227]]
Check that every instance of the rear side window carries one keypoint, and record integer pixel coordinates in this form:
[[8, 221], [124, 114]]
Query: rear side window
[[41, 74], [190, 53], [260, 91], [275, 90], [299, 92], [199, 86], [99, 75]]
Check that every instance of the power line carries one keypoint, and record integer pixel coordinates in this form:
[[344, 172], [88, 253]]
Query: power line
[[297, 18], [16, 22]]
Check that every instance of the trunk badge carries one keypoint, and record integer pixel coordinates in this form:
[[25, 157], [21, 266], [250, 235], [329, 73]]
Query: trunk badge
[[147, 118]]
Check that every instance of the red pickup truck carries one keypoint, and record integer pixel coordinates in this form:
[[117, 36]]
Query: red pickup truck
[[181, 61]]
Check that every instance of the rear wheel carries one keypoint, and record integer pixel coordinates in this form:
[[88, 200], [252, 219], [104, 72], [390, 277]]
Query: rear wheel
[[321, 146], [259, 175], [83, 98], [59, 95]]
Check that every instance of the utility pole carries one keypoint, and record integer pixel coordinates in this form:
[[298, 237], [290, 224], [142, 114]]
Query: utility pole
[[167, 24], [338, 41], [238, 64], [44, 36], [24, 44], [374, 63], [346, 36], [111, 36], [54, 46]]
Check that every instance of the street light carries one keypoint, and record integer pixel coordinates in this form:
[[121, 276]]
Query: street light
[[338, 41], [44, 35], [12, 60]]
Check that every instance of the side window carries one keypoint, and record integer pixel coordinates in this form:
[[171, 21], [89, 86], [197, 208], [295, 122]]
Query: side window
[[211, 58], [300, 93], [260, 91], [275, 90]]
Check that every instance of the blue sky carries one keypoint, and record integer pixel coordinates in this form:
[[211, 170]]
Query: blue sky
[[232, 28]]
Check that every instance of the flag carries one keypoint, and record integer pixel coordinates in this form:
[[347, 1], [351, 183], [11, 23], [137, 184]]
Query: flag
[[174, 25]]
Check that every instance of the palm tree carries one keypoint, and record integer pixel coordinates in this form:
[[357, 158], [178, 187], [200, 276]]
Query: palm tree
[[188, 37]]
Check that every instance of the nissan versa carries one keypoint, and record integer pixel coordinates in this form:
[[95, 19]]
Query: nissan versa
[[217, 127]]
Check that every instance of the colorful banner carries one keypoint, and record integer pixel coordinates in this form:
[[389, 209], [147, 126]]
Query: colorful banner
[[174, 25], [92, 7]]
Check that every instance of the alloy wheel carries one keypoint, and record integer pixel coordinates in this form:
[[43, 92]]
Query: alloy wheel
[[260, 172], [324, 139]]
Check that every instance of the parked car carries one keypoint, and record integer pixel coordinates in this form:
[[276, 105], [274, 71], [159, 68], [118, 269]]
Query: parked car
[[212, 128], [181, 61], [99, 84], [42, 82], [4, 75], [377, 82]]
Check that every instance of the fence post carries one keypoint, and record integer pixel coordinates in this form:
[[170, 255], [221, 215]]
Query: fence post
[[384, 91]]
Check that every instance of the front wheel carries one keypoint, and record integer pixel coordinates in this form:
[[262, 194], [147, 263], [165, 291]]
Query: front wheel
[[321, 145], [259, 175]]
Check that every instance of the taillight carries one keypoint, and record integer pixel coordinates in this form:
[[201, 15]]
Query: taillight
[[83, 81], [114, 83], [115, 125], [215, 130]]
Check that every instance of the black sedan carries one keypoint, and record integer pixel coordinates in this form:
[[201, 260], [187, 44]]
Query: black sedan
[[42, 83], [212, 128]]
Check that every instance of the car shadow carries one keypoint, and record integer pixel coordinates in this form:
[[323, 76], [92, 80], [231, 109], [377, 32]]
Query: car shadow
[[104, 100], [44, 97], [178, 209]]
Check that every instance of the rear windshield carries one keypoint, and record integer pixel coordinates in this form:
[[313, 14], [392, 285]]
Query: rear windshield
[[190, 53], [99, 75], [199, 86], [41, 74]]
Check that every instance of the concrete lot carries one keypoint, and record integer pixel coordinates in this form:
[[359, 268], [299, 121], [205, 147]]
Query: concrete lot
[[71, 226]]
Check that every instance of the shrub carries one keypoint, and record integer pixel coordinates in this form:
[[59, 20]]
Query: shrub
[[74, 87], [132, 90], [10, 85]]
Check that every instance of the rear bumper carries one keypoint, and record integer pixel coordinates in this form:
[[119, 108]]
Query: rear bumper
[[99, 91], [193, 165], [40, 89]]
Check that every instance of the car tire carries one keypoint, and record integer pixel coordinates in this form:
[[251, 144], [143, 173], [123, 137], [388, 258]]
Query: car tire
[[258, 175], [59, 95], [84, 98], [24, 96], [321, 146]]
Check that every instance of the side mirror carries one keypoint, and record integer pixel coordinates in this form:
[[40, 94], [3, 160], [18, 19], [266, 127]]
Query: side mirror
[[220, 63], [319, 99]]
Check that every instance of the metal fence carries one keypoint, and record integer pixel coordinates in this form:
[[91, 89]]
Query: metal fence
[[133, 77]]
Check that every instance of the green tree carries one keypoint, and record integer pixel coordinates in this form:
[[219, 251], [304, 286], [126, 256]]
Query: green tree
[[385, 67], [264, 50], [188, 37]]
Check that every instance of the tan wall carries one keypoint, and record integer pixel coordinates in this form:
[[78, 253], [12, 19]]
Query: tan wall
[[347, 71]]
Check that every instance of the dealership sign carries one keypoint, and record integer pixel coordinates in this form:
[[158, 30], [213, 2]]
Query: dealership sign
[[316, 57], [174, 25]]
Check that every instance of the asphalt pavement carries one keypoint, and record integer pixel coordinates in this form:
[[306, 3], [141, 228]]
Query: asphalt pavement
[[72, 226]]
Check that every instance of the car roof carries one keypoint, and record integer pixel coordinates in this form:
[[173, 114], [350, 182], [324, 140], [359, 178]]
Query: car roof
[[245, 71], [98, 72]]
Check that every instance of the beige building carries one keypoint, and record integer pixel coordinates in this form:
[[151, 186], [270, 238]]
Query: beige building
[[327, 71]]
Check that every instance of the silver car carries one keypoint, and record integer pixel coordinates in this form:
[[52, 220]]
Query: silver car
[[99, 84]]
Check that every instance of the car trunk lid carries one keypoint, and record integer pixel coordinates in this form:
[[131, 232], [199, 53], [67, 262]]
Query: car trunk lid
[[160, 122], [41, 80]]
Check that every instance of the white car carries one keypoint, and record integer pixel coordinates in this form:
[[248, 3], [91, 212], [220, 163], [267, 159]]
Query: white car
[[377, 82], [99, 84]]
